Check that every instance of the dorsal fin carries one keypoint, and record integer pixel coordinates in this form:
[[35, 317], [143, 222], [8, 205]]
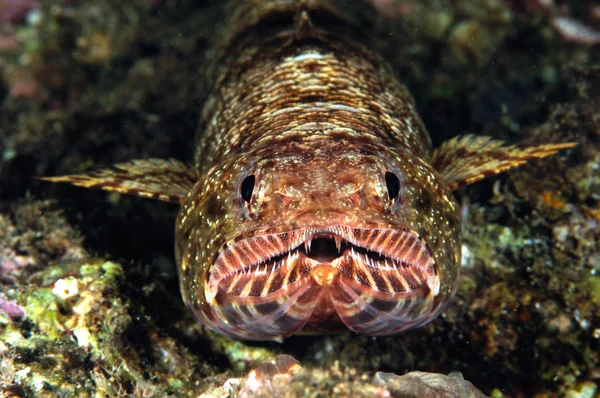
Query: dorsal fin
[[167, 180], [466, 159]]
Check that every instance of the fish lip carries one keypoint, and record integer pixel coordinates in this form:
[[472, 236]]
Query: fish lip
[[254, 248]]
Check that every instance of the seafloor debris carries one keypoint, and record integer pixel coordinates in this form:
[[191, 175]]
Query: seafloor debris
[[269, 376]]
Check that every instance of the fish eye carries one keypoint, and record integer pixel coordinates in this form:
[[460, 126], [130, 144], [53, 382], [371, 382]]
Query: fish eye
[[393, 185], [247, 187]]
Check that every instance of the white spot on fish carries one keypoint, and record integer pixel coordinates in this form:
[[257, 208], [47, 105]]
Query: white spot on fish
[[306, 56]]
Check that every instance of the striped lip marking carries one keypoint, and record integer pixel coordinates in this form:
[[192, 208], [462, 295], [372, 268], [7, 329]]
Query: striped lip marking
[[386, 260]]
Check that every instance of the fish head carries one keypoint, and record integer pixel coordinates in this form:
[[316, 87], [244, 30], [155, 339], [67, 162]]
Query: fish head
[[319, 239]]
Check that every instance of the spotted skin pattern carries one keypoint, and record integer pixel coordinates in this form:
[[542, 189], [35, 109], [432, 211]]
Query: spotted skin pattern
[[316, 203]]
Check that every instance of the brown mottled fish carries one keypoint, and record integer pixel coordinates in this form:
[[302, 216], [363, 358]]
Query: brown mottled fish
[[316, 203]]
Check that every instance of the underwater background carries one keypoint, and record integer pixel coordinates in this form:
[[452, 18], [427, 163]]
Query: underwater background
[[89, 298]]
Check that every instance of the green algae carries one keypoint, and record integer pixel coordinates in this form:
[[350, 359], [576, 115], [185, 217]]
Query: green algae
[[76, 337], [592, 286], [242, 357]]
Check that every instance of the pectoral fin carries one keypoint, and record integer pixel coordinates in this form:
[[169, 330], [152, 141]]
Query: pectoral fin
[[166, 180], [464, 160]]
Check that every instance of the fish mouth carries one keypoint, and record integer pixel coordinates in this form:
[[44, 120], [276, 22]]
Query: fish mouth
[[322, 270], [383, 259]]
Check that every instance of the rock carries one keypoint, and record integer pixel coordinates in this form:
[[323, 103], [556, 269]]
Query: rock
[[283, 376], [423, 384]]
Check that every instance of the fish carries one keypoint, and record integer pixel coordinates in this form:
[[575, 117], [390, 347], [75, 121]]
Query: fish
[[316, 203]]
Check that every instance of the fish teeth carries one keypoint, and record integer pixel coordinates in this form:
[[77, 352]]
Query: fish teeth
[[307, 245], [338, 243], [291, 257]]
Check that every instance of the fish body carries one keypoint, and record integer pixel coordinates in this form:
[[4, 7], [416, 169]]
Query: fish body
[[316, 203]]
